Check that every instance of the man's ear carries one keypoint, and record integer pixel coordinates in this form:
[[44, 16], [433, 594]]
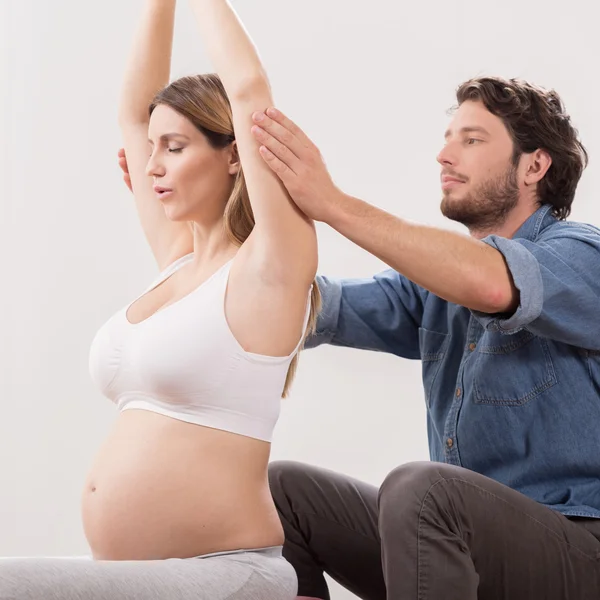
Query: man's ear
[[234, 159], [538, 164]]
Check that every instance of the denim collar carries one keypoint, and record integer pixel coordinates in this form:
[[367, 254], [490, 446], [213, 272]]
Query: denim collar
[[536, 223]]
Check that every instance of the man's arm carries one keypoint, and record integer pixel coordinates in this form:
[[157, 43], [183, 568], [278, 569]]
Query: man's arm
[[381, 313], [453, 266]]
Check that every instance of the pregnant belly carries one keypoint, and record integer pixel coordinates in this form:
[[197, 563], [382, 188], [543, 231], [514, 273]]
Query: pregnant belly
[[161, 488]]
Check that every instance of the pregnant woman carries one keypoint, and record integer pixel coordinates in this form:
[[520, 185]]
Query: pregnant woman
[[177, 503]]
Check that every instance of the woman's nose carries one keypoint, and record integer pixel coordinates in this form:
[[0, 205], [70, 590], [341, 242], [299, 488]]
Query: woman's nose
[[154, 168]]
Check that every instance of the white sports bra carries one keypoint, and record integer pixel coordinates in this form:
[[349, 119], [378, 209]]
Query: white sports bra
[[184, 362]]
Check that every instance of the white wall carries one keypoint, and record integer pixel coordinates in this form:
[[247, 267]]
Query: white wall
[[369, 81]]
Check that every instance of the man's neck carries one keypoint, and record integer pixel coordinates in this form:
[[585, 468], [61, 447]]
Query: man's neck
[[510, 226]]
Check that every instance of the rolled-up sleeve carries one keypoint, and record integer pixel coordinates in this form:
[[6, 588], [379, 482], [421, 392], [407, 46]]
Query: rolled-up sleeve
[[558, 279], [381, 313], [331, 296]]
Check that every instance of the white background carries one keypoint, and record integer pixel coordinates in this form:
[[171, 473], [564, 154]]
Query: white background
[[369, 81]]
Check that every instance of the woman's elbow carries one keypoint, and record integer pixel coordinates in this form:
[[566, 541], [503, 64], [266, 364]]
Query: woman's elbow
[[252, 87]]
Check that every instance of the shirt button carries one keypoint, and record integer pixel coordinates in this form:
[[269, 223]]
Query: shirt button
[[472, 347], [458, 392], [449, 443]]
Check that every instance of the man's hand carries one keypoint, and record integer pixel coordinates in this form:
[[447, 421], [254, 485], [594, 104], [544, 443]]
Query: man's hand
[[297, 161], [123, 165]]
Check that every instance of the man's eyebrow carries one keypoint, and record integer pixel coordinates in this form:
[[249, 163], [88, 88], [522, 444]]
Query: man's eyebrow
[[471, 129]]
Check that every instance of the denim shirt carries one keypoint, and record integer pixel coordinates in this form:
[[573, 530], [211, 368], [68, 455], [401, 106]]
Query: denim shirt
[[513, 397]]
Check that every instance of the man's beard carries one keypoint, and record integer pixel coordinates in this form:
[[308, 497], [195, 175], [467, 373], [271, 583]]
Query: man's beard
[[488, 206]]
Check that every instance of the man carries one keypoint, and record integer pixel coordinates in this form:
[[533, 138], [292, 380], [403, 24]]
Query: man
[[504, 322]]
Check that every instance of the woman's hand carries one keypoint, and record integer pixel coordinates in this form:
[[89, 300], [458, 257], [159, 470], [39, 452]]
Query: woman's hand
[[125, 168]]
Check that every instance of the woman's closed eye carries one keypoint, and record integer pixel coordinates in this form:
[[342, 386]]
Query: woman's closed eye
[[171, 150]]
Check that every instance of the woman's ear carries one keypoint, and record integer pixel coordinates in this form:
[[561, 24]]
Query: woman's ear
[[234, 159]]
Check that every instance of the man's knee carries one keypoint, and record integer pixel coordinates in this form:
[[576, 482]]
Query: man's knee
[[284, 477], [404, 490], [294, 480], [409, 479]]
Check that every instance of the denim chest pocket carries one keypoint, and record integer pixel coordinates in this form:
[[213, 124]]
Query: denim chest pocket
[[433, 347], [511, 370]]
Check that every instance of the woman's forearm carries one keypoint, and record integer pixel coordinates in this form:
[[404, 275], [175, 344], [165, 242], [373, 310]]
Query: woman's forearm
[[149, 65], [284, 239], [229, 47]]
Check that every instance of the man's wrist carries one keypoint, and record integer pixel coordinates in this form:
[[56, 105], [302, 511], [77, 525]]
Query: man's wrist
[[336, 208]]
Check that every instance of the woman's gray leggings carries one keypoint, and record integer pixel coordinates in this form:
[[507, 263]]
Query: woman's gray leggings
[[261, 574]]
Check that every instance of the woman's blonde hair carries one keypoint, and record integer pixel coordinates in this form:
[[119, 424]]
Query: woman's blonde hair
[[203, 101]]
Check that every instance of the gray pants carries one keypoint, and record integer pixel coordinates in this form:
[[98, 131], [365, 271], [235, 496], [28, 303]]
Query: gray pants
[[261, 574], [431, 532]]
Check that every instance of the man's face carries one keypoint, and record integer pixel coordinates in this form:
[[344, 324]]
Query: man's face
[[480, 182]]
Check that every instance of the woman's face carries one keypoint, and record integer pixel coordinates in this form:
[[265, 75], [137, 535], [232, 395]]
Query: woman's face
[[192, 180]]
